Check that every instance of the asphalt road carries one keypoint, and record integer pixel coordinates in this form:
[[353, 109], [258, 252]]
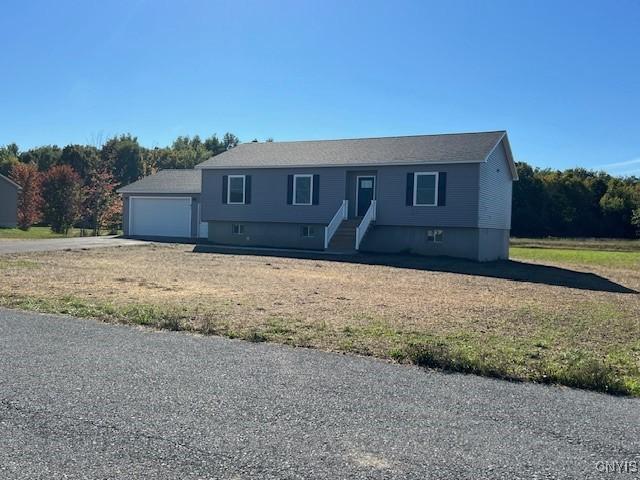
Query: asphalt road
[[80, 399], [21, 246]]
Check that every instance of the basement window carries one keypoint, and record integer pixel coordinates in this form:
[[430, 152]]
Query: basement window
[[308, 231], [434, 236], [237, 229]]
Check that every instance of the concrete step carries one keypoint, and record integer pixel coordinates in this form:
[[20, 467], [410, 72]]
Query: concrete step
[[351, 244], [343, 251], [344, 233]]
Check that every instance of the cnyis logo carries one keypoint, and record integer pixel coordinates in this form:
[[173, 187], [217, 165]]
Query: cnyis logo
[[615, 466]]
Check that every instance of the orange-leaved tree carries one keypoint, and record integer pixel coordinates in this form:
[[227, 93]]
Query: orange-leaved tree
[[30, 197]]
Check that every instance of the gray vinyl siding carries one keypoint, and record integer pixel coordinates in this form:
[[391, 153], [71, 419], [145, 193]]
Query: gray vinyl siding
[[495, 184], [269, 196], [461, 201], [195, 200], [8, 204]]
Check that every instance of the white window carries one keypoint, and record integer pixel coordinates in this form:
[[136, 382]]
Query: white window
[[425, 189], [236, 189], [237, 229], [308, 231], [434, 236], [302, 189]]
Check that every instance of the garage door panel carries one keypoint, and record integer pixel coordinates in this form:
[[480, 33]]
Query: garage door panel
[[160, 217]]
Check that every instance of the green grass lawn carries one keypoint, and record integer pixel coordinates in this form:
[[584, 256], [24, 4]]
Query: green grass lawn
[[34, 233], [578, 251], [577, 256], [605, 244], [37, 233]]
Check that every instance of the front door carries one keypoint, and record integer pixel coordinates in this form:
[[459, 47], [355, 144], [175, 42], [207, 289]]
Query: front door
[[365, 192]]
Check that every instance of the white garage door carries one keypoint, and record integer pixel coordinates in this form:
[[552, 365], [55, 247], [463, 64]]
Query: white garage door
[[160, 217]]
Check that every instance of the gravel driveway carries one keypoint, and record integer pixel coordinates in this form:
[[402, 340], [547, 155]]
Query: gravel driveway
[[81, 399], [21, 246]]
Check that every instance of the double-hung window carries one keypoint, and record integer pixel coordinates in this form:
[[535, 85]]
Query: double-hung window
[[425, 189], [302, 189], [236, 189]]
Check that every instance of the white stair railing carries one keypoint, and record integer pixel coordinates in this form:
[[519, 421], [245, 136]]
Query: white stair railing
[[332, 228], [368, 218]]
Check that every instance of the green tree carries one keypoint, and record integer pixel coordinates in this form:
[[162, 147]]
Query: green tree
[[44, 157], [213, 145], [530, 203], [230, 140], [125, 158], [8, 158], [635, 221], [63, 195], [574, 202], [81, 158], [617, 205]]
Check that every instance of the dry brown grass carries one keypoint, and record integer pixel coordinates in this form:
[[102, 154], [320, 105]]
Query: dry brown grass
[[370, 309]]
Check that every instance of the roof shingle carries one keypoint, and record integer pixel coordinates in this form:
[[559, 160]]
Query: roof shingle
[[443, 148], [167, 181]]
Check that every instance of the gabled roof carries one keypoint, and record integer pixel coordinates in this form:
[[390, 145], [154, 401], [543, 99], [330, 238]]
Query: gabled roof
[[419, 149], [10, 182], [167, 181]]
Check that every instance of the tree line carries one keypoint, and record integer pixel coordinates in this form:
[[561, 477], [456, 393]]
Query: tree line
[[574, 203], [76, 186]]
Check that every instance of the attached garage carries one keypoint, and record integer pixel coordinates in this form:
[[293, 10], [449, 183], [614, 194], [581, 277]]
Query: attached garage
[[160, 216], [164, 205]]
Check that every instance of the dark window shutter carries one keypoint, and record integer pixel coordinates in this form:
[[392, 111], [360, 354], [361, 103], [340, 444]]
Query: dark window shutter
[[316, 189], [247, 189], [410, 188], [290, 189], [442, 189], [225, 184]]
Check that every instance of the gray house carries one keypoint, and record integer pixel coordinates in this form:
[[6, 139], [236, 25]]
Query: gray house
[[9, 191], [429, 194], [164, 205]]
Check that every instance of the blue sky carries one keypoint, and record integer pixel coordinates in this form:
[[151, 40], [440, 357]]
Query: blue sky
[[563, 77]]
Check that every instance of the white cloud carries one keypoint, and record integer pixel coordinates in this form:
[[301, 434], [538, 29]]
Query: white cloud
[[607, 166], [635, 171]]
